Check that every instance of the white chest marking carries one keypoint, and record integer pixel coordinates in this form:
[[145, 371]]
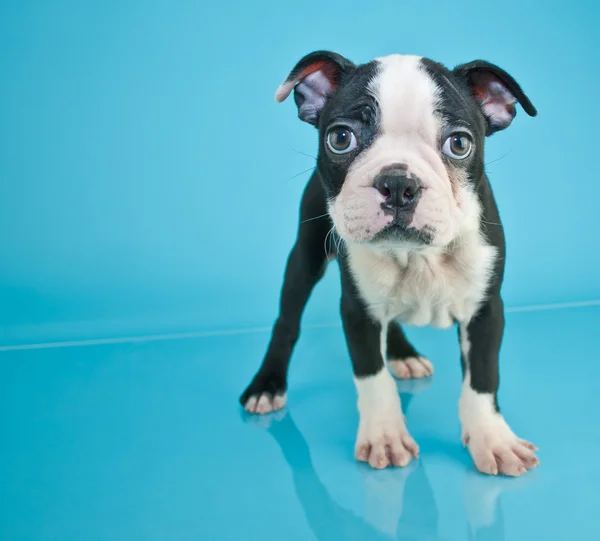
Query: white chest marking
[[425, 285]]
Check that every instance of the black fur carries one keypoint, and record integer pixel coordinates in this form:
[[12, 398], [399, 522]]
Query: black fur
[[486, 328], [398, 346], [352, 106]]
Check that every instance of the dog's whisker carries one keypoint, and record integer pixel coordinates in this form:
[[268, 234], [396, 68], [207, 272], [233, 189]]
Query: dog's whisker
[[300, 173], [491, 223], [341, 243], [338, 241], [500, 158], [325, 246], [302, 153], [315, 218], [334, 239]]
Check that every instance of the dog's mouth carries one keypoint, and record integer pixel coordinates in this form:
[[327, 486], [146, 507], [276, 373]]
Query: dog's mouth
[[398, 232]]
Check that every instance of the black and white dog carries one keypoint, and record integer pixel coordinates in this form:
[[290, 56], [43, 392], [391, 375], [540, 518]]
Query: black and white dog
[[400, 174]]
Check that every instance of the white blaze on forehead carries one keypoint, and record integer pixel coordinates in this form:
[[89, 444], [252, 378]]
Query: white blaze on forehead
[[407, 98], [409, 129]]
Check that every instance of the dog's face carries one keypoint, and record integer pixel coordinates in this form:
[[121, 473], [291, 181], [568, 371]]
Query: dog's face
[[401, 141]]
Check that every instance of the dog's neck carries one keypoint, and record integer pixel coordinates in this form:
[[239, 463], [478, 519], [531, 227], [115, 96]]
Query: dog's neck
[[423, 284]]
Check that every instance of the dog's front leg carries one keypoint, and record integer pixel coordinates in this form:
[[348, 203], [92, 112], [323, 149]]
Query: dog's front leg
[[492, 444], [383, 438], [305, 267]]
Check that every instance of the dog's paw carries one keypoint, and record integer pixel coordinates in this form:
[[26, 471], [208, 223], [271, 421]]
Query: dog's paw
[[384, 441], [411, 367], [496, 450], [265, 394], [265, 403], [493, 445]]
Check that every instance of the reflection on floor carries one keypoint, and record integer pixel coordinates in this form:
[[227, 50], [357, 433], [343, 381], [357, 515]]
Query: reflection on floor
[[399, 505], [146, 440]]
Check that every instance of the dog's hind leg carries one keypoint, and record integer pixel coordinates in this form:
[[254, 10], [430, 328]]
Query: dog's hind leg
[[403, 359]]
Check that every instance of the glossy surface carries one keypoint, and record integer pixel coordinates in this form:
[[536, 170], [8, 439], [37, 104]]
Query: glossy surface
[[149, 184], [146, 441], [148, 179]]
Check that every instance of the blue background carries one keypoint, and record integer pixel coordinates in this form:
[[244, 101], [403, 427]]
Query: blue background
[[150, 183], [149, 188]]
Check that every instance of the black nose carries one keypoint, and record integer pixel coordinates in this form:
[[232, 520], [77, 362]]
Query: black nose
[[400, 190]]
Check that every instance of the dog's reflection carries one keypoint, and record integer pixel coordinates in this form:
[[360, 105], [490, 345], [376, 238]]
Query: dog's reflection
[[399, 504]]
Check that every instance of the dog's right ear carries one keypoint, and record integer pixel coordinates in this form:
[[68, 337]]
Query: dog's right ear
[[313, 80]]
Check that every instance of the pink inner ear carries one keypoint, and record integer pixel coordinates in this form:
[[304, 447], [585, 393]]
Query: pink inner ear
[[497, 102], [327, 80]]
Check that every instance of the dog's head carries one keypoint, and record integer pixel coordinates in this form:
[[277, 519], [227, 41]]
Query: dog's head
[[401, 141]]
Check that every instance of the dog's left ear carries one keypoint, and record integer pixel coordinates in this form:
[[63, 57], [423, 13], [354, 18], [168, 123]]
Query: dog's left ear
[[314, 79], [496, 93]]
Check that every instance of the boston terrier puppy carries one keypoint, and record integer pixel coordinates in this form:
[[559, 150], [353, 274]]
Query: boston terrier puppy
[[401, 194]]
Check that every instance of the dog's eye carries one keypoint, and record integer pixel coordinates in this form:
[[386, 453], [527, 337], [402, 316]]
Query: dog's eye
[[341, 140], [458, 146]]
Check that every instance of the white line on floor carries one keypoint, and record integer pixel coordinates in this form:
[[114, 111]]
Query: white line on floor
[[555, 306], [151, 338], [250, 330]]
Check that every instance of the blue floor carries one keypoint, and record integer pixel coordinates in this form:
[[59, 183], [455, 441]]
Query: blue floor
[[145, 440]]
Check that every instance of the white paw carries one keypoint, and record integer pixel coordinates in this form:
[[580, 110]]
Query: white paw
[[493, 445], [495, 449], [384, 441], [265, 403], [411, 367], [504, 454]]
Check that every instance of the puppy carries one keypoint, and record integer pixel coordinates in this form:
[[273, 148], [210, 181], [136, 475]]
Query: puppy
[[400, 184]]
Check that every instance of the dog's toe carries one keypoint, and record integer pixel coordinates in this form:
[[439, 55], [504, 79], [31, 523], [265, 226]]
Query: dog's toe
[[501, 452], [265, 394], [411, 367], [265, 403], [384, 442]]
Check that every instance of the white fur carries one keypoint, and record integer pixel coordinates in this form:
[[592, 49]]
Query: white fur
[[383, 438], [406, 96], [423, 285], [383, 339], [416, 284], [410, 133], [492, 444]]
